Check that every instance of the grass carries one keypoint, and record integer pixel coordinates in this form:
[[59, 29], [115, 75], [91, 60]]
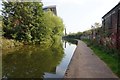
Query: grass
[[108, 56], [9, 45]]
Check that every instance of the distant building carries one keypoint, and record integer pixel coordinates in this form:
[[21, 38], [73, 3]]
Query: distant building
[[111, 25], [51, 8]]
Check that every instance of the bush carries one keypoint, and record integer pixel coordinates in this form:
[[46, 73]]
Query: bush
[[29, 24]]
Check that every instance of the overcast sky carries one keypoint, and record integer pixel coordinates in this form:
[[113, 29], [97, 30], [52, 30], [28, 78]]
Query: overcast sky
[[79, 15]]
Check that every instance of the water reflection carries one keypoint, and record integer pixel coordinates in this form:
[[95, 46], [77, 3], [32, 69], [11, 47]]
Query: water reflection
[[37, 61], [71, 41], [31, 61], [61, 68]]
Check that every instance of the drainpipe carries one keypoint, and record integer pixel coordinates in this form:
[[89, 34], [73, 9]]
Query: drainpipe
[[117, 35]]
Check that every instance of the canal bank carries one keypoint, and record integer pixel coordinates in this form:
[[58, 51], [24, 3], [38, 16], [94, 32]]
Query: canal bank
[[85, 64]]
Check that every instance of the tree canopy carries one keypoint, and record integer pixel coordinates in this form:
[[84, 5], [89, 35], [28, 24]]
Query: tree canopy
[[27, 22], [74, 35]]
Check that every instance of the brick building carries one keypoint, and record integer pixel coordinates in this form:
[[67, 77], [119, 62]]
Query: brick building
[[51, 8], [111, 26]]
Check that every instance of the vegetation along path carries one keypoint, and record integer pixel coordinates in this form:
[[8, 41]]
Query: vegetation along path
[[85, 64]]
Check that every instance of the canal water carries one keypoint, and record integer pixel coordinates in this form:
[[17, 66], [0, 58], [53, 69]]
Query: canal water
[[37, 61]]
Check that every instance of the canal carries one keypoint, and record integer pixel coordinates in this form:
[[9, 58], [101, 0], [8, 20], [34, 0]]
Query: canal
[[38, 61]]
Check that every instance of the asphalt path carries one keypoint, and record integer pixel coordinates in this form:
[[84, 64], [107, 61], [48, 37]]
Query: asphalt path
[[85, 64]]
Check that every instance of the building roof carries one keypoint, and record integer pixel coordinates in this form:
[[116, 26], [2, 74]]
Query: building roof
[[51, 6], [111, 10]]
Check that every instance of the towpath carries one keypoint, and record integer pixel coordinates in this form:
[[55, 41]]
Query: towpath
[[85, 64]]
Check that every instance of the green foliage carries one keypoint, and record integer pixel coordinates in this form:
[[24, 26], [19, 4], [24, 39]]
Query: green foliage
[[74, 35], [26, 22], [20, 18], [53, 26], [9, 44], [71, 41], [1, 18]]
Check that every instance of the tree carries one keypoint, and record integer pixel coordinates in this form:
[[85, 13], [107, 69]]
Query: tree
[[26, 21], [74, 35], [97, 25], [53, 26], [22, 20]]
